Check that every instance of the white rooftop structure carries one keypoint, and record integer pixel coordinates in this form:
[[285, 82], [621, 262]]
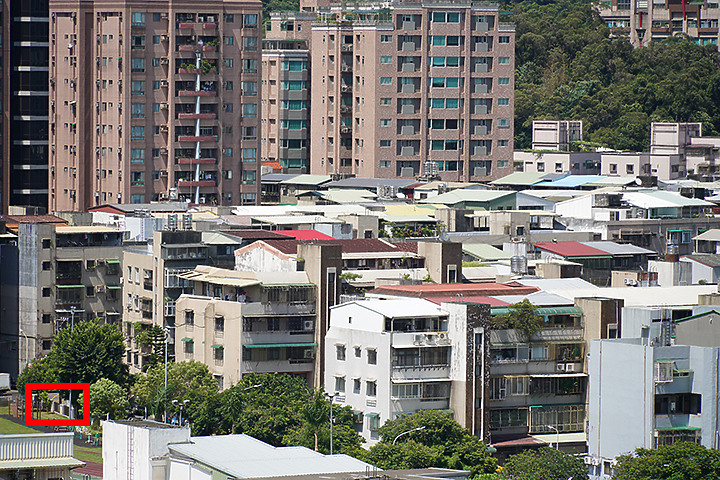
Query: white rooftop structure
[[242, 456], [400, 308]]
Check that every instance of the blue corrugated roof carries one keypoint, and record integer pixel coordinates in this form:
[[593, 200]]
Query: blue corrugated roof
[[571, 181]]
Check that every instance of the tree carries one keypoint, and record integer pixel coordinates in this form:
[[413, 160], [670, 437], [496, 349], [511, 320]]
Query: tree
[[84, 354], [189, 380], [433, 437], [522, 316], [107, 400], [154, 337], [544, 464], [684, 460]]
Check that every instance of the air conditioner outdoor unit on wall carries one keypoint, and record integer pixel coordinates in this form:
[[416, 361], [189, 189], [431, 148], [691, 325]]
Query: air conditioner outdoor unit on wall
[[560, 367]]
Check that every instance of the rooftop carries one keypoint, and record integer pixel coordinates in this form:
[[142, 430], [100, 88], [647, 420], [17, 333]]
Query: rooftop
[[453, 289], [86, 229], [242, 456], [305, 179], [305, 234], [570, 248], [467, 195], [400, 308], [661, 199], [619, 248], [708, 259]]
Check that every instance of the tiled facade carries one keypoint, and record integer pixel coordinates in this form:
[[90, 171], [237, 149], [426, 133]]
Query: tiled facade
[[393, 89], [154, 101]]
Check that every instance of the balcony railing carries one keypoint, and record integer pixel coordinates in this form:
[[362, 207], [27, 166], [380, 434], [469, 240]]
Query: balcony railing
[[440, 372], [197, 183], [193, 161], [195, 116], [197, 93], [193, 138], [278, 308]]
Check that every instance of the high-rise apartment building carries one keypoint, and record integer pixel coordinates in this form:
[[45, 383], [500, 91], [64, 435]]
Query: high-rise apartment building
[[153, 101], [25, 105], [646, 21], [405, 90], [285, 91]]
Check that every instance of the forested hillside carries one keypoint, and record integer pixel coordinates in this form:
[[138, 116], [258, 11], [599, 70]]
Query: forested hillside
[[569, 67]]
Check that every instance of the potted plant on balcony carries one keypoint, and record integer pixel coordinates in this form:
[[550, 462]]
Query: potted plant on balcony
[[207, 67]]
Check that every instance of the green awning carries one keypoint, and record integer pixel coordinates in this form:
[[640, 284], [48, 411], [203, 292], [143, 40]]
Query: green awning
[[213, 346], [127, 321], [112, 260], [574, 311], [276, 345], [372, 415], [113, 287], [70, 286], [665, 361], [680, 230], [187, 339]]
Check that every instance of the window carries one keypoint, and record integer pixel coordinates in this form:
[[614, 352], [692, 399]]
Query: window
[[340, 384], [502, 143], [90, 291], [445, 17], [137, 133], [46, 243], [371, 388], [189, 347], [250, 43], [294, 65], [503, 39], [406, 390], [503, 101], [219, 354], [137, 65], [385, 38], [137, 110], [137, 87], [293, 124], [438, 40], [385, 101], [249, 110], [189, 317], [385, 122], [229, 40], [504, 60], [356, 386], [249, 66], [385, 163], [385, 143], [46, 291], [294, 104], [249, 178], [138, 19], [340, 352], [630, 169], [504, 122], [358, 350], [46, 318], [504, 81], [539, 352], [46, 265], [228, 85], [249, 154], [219, 323], [372, 356], [250, 21], [156, 40], [385, 80], [293, 85], [385, 59]]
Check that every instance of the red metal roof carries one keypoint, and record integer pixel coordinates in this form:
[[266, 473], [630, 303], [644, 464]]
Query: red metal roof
[[355, 245], [288, 247], [493, 302], [467, 290], [570, 248], [305, 234], [257, 234], [15, 219], [411, 247]]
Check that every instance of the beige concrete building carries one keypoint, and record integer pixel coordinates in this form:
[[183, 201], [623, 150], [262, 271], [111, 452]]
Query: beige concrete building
[[153, 101], [555, 134], [396, 90], [152, 282], [654, 20], [243, 322]]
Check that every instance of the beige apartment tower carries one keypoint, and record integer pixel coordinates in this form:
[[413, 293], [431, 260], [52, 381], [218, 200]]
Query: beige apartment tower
[[153, 101], [406, 90]]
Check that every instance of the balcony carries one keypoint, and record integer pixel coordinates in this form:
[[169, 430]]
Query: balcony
[[346, 48], [195, 116], [186, 25], [428, 372], [189, 70], [197, 93], [194, 161], [209, 25], [420, 339], [252, 309], [186, 48], [278, 366], [193, 138], [278, 337], [197, 183]]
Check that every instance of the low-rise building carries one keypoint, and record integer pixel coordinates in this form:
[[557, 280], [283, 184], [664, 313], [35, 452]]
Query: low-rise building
[[386, 358], [40, 456], [243, 322], [575, 163], [556, 134]]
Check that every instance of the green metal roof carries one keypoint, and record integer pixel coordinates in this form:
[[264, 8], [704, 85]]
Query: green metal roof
[[277, 345], [70, 286], [216, 346], [575, 311], [113, 287], [667, 429], [112, 260]]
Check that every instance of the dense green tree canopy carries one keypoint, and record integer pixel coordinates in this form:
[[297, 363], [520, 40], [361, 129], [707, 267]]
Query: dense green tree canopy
[[434, 439], [544, 464], [86, 353], [107, 400], [570, 66], [681, 461]]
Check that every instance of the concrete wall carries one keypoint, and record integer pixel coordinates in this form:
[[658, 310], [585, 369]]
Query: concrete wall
[[702, 331], [259, 259], [671, 274], [11, 342], [701, 272], [441, 258]]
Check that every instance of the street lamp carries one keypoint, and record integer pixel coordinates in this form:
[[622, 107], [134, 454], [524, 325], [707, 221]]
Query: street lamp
[[167, 340], [72, 329], [557, 437], [27, 347], [409, 431], [182, 404], [331, 397]]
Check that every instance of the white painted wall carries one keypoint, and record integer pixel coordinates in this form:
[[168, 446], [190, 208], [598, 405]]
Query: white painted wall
[[261, 260]]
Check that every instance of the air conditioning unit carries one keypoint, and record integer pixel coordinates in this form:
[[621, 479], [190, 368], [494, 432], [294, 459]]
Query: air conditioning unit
[[572, 367], [588, 460], [164, 83], [163, 128], [163, 173], [163, 151], [308, 325], [442, 338], [560, 367], [164, 106], [164, 60], [418, 339], [100, 289], [309, 353], [358, 417], [596, 461]]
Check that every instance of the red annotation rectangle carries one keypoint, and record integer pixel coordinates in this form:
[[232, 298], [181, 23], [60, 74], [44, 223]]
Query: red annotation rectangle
[[31, 388]]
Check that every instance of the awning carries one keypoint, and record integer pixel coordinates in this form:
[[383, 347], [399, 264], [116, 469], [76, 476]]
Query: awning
[[112, 260], [70, 286], [213, 346], [113, 313], [577, 437], [277, 345], [113, 287], [574, 311], [565, 375], [372, 415], [187, 339], [41, 463], [667, 429]]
